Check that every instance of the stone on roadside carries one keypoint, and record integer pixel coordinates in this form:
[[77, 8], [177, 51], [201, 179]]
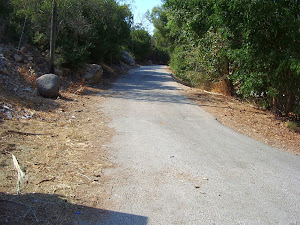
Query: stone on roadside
[[18, 58], [3, 65], [48, 85], [127, 58], [66, 71], [23, 50], [93, 74], [59, 72], [4, 71]]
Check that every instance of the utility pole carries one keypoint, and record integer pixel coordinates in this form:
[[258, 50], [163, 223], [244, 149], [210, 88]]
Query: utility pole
[[53, 37], [132, 31]]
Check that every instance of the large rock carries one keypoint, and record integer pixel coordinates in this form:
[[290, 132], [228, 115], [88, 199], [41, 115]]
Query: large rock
[[93, 74], [48, 85], [127, 58]]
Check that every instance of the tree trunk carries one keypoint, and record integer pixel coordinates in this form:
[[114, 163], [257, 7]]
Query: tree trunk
[[289, 102], [276, 106], [229, 84], [53, 37]]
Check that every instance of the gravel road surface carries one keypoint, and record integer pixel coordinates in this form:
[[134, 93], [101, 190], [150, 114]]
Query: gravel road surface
[[176, 164]]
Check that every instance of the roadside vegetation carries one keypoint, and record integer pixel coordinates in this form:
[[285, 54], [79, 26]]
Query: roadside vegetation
[[95, 31], [251, 47]]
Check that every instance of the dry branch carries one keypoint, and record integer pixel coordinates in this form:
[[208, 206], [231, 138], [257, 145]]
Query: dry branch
[[26, 133]]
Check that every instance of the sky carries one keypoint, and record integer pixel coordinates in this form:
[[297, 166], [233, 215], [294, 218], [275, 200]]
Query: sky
[[139, 8]]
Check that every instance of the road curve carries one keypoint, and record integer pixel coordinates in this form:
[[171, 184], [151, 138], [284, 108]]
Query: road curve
[[177, 165]]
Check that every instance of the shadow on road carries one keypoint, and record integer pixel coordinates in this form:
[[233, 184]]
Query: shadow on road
[[146, 84], [53, 209]]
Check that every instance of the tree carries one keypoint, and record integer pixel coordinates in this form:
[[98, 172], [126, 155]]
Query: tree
[[88, 31], [254, 45], [141, 43]]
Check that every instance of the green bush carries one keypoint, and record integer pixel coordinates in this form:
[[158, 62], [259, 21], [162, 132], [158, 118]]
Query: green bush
[[160, 55], [87, 31], [141, 44], [253, 44]]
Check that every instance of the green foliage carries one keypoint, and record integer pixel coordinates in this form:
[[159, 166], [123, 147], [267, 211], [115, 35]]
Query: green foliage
[[141, 44], [292, 125], [94, 30], [160, 55], [159, 18], [255, 44]]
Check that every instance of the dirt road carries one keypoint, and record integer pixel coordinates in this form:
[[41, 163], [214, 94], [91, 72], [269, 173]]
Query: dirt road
[[176, 164]]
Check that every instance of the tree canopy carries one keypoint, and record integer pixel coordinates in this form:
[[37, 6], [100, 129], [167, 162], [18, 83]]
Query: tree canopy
[[253, 45]]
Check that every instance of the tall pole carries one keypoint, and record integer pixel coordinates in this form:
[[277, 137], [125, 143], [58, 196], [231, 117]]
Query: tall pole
[[132, 30], [53, 36]]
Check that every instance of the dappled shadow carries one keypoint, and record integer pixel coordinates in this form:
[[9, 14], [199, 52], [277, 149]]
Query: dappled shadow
[[144, 84], [64, 98], [53, 209]]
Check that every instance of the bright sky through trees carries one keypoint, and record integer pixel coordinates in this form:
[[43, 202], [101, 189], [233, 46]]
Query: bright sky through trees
[[139, 8]]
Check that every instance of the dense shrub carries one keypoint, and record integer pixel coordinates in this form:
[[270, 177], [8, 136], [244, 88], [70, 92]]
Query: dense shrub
[[94, 30], [159, 55], [141, 44], [252, 45]]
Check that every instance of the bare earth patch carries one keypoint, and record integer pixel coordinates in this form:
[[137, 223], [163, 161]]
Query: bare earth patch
[[247, 119], [59, 145]]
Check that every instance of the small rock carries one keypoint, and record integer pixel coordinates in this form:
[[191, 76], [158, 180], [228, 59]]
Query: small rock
[[4, 71], [23, 50], [18, 58], [59, 72], [30, 58], [48, 85], [3, 65], [28, 89], [66, 71], [9, 116]]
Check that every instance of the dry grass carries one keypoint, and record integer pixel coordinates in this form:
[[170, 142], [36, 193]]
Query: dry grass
[[248, 119], [28, 73], [63, 157], [221, 87], [292, 126], [77, 87]]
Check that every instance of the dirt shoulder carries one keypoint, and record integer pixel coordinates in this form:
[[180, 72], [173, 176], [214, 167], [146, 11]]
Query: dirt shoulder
[[247, 119], [59, 144], [61, 152]]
